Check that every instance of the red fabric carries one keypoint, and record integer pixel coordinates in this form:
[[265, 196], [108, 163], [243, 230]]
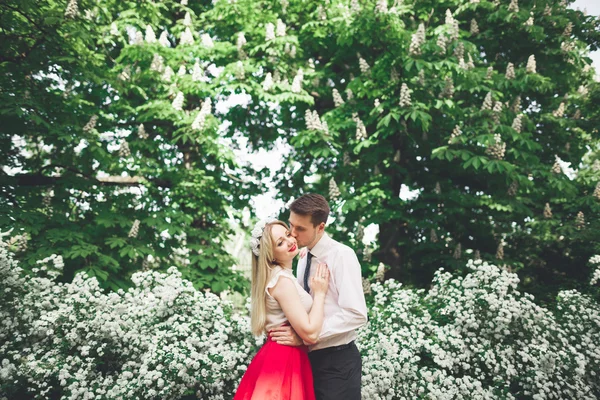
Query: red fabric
[[277, 372]]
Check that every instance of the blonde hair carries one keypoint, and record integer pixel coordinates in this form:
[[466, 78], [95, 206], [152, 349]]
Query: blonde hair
[[262, 265]]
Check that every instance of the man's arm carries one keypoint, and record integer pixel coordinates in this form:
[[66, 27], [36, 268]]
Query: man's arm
[[285, 335], [347, 277]]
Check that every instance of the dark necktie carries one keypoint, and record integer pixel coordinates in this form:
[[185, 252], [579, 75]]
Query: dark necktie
[[307, 272]]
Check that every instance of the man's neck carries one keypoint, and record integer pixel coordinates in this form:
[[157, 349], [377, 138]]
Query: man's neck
[[317, 240]]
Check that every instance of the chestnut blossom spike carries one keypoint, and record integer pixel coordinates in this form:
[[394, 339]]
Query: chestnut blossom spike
[[364, 66], [547, 211], [514, 6], [500, 251], [124, 149], [560, 111], [381, 7], [405, 99], [531, 65], [241, 40], [510, 71], [490, 71], [178, 102], [158, 63], [181, 71], [168, 75], [91, 125], [597, 191], [380, 273], [529, 21], [417, 40], [433, 237], [280, 30], [455, 134], [337, 98], [150, 36], [72, 10], [269, 31], [517, 124], [164, 39], [187, 37], [297, 82], [474, 27], [133, 232], [580, 220], [487, 102], [187, 19], [334, 191], [268, 82], [442, 42], [200, 120], [207, 41], [142, 132]]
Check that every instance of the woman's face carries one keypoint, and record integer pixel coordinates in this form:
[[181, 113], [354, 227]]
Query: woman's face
[[285, 247]]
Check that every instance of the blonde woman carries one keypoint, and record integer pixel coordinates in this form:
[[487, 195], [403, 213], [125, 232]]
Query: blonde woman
[[277, 371]]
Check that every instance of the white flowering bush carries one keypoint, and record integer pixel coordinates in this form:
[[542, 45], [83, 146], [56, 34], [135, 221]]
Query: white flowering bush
[[478, 337], [473, 337], [162, 339]]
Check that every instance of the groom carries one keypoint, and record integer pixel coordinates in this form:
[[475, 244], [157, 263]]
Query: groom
[[335, 359]]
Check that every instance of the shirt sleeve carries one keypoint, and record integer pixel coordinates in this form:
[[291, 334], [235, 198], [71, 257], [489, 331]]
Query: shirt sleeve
[[352, 312]]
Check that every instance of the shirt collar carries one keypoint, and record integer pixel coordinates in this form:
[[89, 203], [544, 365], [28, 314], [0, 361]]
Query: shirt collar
[[320, 248]]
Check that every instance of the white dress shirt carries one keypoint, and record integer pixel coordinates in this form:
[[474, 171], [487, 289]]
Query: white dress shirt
[[345, 306]]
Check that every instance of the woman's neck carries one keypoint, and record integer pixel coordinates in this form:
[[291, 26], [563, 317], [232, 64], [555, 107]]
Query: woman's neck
[[286, 266]]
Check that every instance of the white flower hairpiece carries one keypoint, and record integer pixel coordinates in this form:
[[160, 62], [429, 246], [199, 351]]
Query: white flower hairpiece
[[257, 233]]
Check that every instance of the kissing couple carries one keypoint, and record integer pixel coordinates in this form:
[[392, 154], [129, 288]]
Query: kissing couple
[[310, 320]]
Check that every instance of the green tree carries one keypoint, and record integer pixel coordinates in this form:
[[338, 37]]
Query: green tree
[[108, 160], [467, 102]]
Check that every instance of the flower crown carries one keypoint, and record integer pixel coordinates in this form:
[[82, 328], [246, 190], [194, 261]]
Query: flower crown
[[257, 233]]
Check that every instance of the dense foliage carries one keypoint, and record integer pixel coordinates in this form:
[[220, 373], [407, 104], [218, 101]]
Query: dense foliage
[[116, 154], [476, 337]]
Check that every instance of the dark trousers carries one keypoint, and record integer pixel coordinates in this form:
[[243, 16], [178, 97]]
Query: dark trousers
[[337, 373]]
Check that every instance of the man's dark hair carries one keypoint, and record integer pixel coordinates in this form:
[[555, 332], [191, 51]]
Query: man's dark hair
[[311, 204]]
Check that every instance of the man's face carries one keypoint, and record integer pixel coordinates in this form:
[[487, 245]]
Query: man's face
[[303, 230]]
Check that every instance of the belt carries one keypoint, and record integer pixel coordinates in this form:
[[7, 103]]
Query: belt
[[332, 349]]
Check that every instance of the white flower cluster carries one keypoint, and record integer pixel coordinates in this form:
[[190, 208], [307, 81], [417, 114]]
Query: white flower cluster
[[417, 40], [200, 120], [475, 337], [159, 339], [361, 129], [337, 98], [269, 31], [257, 233], [150, 36], [405, 99], [187, 38], [531, 65], [595, 260], [314, 122], [178, 102], [297, 82], [478, 337]]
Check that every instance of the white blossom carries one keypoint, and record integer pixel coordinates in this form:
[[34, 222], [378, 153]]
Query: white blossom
[[197, 72], [72, 10], [531, 65], [164, 39], [207, 41], [517, 124], [474, 27], [181, 71], [487, 102], [124, 149], [513, 6], [205, 111], [280, 29], [168, 75], [178, 102], [364, 66], [142, 132], [405, 99], [381, 7], [133, 232], [337, 98], [268, 82], [269, 31], [510, 71], [150, 36], [187, 37], [187, 20], [297, 82], [417, 40], [158, 63]]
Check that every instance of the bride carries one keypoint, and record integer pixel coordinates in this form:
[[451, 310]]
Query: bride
[[277, 371]]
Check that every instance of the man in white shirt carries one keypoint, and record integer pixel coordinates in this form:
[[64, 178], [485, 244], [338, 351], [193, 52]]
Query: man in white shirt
[[335, 359]]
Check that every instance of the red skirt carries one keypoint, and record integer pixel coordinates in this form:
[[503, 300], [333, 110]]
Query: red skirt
[[277, 372]]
